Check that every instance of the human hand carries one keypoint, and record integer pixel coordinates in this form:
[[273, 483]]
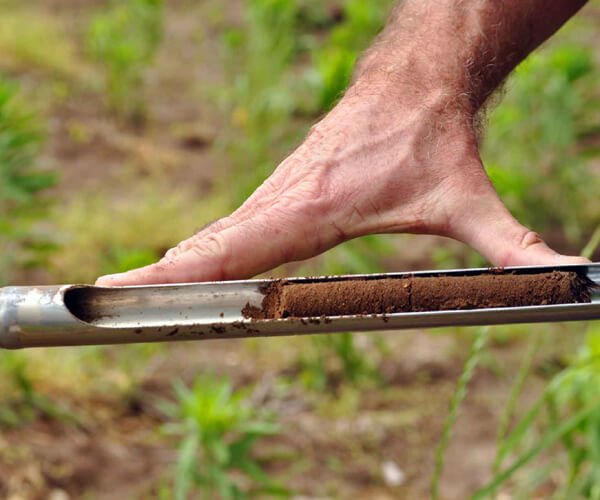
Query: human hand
[[397, 154], [373, 165]]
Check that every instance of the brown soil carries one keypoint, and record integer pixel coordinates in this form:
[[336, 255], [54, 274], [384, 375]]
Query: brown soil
[[414, 294]]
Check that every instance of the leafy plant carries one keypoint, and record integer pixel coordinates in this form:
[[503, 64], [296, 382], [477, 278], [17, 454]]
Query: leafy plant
[[572, 421], [22, 402], [30, 41], [337, 359], [103, 234], [534, 141], [21, 179], [460, 392], [120, 259], [218, 429], [124, 41], [260, 97], [334, 62]]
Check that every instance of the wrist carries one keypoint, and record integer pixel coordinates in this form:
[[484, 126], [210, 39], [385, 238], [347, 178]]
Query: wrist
[[399, 90], [432, 64]]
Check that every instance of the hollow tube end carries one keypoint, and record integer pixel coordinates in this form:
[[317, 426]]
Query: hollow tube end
[[9, 330]]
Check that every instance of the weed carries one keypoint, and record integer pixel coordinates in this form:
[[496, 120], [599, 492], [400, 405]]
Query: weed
[[573, 410], [333, 62], [107, 235], [515, 393], [260, 98], [26, 404], [459, 395], [21, 179], [539, 175], [124, 41], [219, 429], [554, 434], [29, 41], [337, 359]]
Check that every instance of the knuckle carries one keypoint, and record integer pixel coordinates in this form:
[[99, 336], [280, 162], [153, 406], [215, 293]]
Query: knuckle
[[528, 238], [170, 254], [203, 234], [215, 226], [316, 131], [212, 245], [311, 194], [271, 184], [185, 245], [213, 250]]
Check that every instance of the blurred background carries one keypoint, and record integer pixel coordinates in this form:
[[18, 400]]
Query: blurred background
[[127, 125]]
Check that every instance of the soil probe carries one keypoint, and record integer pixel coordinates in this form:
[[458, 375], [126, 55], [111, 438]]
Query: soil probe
[[68, 315]]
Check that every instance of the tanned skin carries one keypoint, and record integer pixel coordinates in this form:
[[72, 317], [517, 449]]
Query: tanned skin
[[397, 154]]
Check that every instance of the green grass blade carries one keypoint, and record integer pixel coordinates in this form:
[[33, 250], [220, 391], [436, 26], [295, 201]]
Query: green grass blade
[[545, 442], [592, 244], [459, 395], [517, 388]]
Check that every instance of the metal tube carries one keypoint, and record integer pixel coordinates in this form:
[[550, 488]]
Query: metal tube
[[62, 315]]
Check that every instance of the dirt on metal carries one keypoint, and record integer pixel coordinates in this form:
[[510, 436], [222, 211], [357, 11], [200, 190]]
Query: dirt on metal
[[370, 296]]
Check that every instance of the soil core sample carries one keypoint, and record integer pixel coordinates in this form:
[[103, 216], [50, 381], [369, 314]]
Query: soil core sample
[[498, 290], [418, 294]]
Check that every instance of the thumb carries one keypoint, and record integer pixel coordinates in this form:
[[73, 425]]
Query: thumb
[[490, 228]]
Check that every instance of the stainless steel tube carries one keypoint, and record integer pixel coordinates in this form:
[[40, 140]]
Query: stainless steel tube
[[64, 315]]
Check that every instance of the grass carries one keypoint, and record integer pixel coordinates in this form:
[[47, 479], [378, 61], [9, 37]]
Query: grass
[[219, 430], [39, 43], [550, 438], [123, 40], [284, 64], [507, 415], [26, 404], [459, 395], [22, 181], [102, 235], [555, 86]]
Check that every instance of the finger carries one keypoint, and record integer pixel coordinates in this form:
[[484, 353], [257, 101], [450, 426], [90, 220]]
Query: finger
[[259, 201], [491, 229], [236, 252], [213, 227]]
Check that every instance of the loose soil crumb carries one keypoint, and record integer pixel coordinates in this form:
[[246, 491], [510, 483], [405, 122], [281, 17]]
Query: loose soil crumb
[[417, 294]]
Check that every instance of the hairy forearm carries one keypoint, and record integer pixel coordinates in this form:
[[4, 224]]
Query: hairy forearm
[[461, 48]]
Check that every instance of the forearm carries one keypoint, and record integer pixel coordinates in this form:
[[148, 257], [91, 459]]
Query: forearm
[[462, 48]]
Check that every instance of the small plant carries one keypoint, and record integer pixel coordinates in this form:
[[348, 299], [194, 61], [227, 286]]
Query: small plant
[[21, 180], [567, 416], [334, 61], [218, 429], [260, 97], [120, 259], [460, 392], [336, 359], [30, 41], [546, 116], [124, 41], [21, 402]]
